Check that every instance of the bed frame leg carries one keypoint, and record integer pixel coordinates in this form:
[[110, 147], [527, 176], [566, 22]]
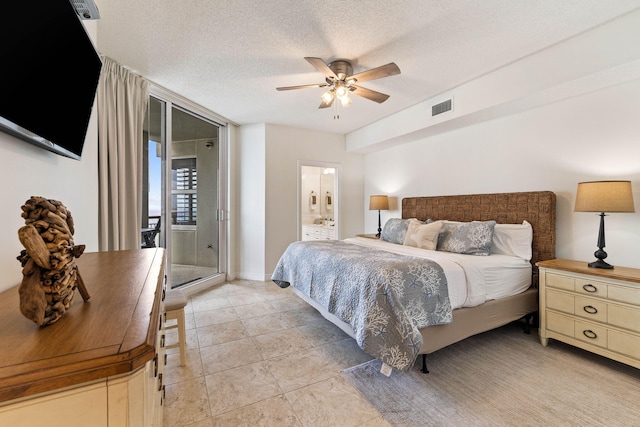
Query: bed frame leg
[[424, 369], [527, 323]]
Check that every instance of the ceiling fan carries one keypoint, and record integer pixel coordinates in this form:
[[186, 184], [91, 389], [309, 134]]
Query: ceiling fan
[[340, 81]]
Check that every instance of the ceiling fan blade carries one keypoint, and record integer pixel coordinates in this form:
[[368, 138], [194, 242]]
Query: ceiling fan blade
[[326, 104], [391, 69], [371, 95], [301, 86], [321, 66]]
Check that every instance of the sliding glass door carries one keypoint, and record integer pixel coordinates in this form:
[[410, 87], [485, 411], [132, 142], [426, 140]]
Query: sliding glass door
[[184, 188], [194, 198]]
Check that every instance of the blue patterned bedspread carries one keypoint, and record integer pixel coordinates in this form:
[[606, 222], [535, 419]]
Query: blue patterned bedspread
[[385, 297]]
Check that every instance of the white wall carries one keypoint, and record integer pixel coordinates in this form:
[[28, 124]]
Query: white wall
[[31, 171], [595, 136], [248, 170], [277, 173], [285, 147]]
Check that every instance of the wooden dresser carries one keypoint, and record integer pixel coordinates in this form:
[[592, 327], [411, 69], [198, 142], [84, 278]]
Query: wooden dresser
[[595, 309], [102, 363]]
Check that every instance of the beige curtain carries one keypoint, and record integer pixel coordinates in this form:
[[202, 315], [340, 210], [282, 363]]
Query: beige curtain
[[122, 103]]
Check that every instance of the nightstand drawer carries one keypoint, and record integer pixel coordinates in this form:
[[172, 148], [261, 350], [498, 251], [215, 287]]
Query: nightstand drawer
[[624, 294], [583, 331], [626, 344], [561, 324], [560, 282], [624, 317], [560, 301], [591, 308], [591, 333], [591, 287]]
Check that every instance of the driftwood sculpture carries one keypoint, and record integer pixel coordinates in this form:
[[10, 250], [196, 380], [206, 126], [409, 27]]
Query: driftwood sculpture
[[49, 270]]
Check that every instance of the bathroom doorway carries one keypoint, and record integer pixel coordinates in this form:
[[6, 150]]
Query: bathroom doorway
[[318, 213]]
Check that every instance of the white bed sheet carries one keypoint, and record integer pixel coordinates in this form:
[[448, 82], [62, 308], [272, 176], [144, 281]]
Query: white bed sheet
[[483, 277]]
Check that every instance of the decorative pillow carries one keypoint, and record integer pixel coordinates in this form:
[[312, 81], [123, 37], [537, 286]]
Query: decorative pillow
[[421, 235], [513, 239], [471, 238], [394, 230]]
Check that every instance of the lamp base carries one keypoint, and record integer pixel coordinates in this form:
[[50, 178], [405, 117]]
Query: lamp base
[[600, 254], [600, 264]]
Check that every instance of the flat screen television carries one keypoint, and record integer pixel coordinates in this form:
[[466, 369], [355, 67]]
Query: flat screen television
[[49, 75]]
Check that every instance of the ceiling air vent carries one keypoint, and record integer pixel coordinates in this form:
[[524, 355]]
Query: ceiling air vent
[[440, 108], [86, 9]]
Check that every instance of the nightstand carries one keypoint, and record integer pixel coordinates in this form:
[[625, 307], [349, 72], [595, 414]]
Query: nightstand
[[595, 309], [368, 236]]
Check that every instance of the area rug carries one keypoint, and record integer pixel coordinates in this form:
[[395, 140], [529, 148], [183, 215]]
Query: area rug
[[504, 378]]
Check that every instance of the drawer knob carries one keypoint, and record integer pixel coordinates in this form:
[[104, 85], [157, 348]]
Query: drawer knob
[[590, 334], [589, 288], [590, 309]]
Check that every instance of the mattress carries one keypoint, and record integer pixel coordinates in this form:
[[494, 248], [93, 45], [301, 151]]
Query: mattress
[[384, 296], [478, 278]]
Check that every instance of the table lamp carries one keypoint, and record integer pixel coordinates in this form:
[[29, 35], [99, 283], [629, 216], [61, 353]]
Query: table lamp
[[603, 196], [379, 203]]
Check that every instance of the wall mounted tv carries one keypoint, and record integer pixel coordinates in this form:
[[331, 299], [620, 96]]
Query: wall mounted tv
[[49, 75]]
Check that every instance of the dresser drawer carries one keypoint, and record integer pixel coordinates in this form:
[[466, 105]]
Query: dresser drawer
[[560, 301], [591, 333], [624, 317], [582, 331], [624, 294], [591, 308], [588, 308], [591, 287], [561, 324], [626, 344], [560, 282]]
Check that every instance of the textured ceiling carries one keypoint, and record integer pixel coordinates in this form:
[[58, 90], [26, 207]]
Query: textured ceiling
[[229, 56]]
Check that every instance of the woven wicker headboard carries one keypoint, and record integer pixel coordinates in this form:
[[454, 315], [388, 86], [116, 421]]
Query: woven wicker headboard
[[537, 207]]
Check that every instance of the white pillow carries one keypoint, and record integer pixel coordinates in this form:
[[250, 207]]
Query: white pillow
[[513, 239], [421, 235]]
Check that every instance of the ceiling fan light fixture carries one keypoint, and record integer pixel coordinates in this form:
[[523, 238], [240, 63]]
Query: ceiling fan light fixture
[[327, 97], [341, 91], [340, 80]]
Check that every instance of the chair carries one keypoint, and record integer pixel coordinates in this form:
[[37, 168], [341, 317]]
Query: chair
[[174, 302], [149, 235]]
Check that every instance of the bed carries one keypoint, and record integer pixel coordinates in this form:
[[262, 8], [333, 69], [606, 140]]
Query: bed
[[341, 279]]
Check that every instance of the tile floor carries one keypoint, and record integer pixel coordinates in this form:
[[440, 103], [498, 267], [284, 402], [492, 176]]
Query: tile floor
[[181, 274], [257, 355]]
